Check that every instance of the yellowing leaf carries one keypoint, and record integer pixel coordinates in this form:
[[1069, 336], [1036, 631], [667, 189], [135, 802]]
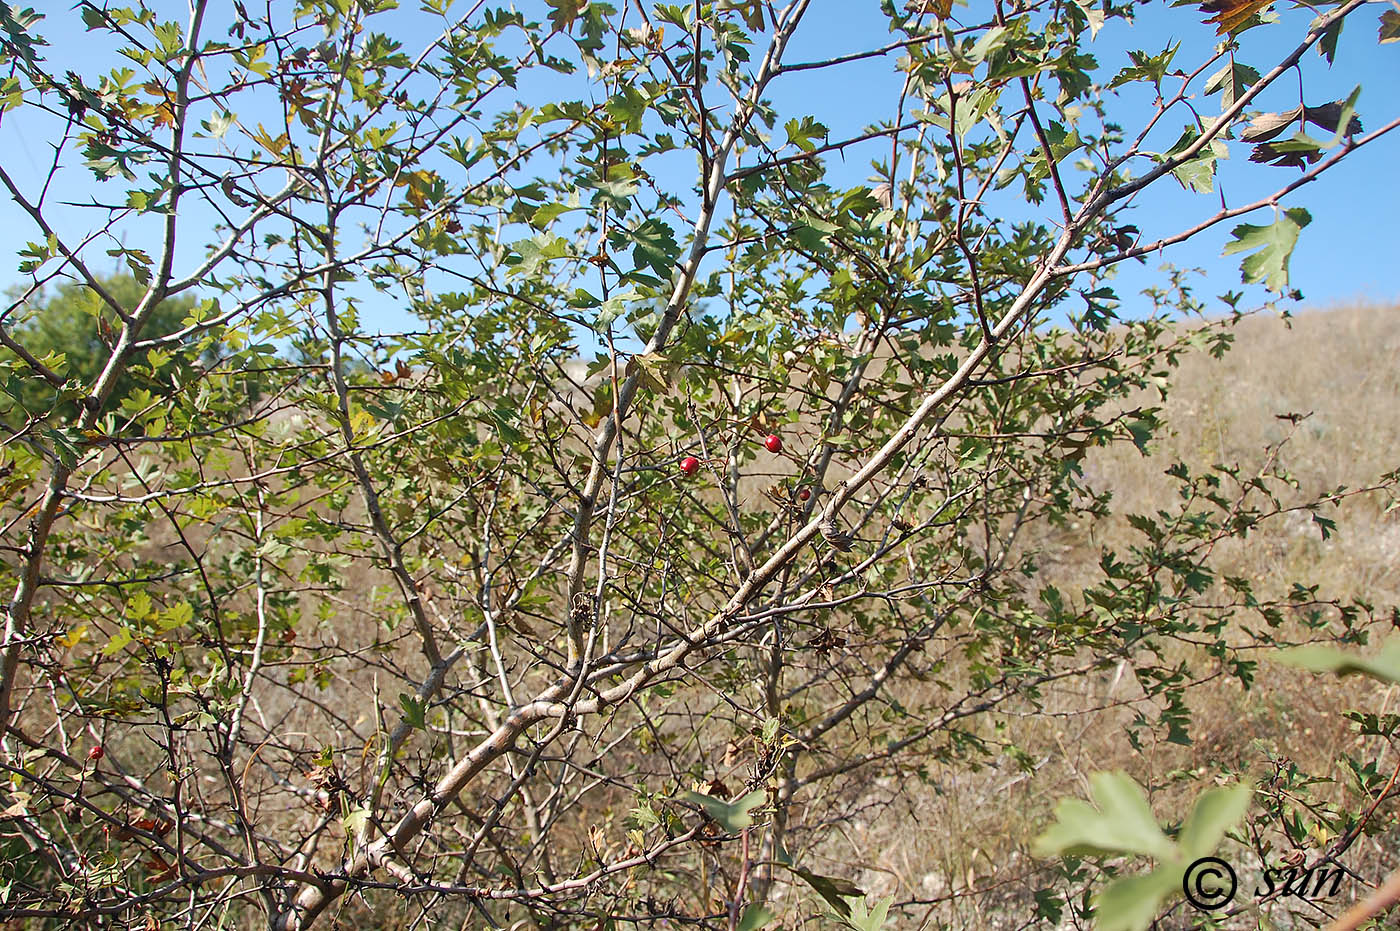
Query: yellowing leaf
[[73, 637], [1231, 14], [118, 642], [562, 13], [138, 606], [354, 821], [177, 615], [940, 8], [423, 187]]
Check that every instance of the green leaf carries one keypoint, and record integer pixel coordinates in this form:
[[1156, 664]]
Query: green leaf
[[177, 615], [732, 816], [354, 821], [547, 213], [750, 10], [11, 94], [1296, 151], [655, 246], [612, 308], [530, 254], [63, 446], [835, 891], [504, 418], [1384, 666], [1231, 82], [1142, 430], [803, 133], [1327, 45], [628, 107], [1123, 823], [1198, 174], [1146, 67], [387, 410], [1130, 903], [413, 711], [991, 40], [138, 606], [873, 919], [1275, 243], [1049, 906], [118, 642], [755, 917], [1215, 812]]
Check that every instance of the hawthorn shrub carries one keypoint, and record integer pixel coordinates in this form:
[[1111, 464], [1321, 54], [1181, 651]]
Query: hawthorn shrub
[[691, 517]]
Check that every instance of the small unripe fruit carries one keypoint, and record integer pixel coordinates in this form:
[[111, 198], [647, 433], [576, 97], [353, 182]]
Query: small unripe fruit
[[804, 495], [690, 465], [96, 752], [774, 443]]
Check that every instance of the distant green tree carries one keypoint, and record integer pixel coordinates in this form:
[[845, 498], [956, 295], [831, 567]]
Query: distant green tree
[[74, 322]]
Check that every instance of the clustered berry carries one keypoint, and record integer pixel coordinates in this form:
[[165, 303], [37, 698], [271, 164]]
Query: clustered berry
[[773, 443]]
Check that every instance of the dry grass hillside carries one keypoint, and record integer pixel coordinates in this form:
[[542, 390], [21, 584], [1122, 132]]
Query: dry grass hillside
[[1340, 368], [968, 832]]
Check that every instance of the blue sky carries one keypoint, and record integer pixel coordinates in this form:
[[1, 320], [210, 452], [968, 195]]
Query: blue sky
[[1347, 253], [1351, 249]]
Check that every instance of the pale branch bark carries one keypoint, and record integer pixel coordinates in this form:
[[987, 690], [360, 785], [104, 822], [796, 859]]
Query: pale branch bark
[[1377, 903]]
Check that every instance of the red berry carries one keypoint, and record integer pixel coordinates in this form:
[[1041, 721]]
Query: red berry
[[96, 752], [774, 443], [804, 495], [690, 465]]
